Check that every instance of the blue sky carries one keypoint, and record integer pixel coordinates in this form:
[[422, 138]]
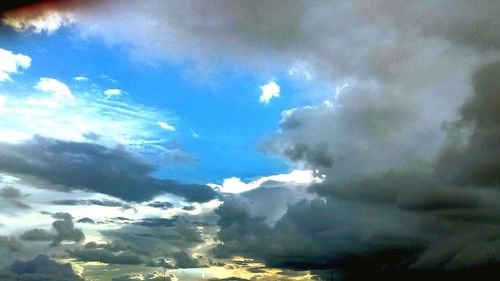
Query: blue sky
[[222, 109]]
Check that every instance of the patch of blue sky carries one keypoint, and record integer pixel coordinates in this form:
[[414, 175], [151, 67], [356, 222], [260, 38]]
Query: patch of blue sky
[[220, 122]]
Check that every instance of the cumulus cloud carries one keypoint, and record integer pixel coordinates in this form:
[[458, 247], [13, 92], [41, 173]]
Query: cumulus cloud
[[64, 230], [13, 196], [12, 64], [422, 218], [54, 87], [269, 91], [66, 165]]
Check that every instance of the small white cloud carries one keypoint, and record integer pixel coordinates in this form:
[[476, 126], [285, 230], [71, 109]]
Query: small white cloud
[[12, 63], [297, 177], [194, 134], [166, 126], [112, 92], [269, 91], [81, 78], [54, 87]]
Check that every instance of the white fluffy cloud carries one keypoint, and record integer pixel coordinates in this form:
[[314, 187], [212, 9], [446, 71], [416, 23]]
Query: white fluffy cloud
[[11, 63], [269, 91], [54, 87]]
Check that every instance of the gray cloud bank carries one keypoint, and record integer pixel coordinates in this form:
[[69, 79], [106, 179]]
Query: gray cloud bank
[[65, 166]]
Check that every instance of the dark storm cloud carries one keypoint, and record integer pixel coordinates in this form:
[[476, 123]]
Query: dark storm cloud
[[10, 193], [106, 256], [420, 220], [10, 243], [37, 234], [86, 220], [39, 268], [315, 154], [161, 205], [65, 165], [64, 230], [88, 202], [13, 196], [475, 158], [156, 222], [183, 260], [116, 246]]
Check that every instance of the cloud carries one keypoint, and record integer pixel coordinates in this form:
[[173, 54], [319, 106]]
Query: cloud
[[161, 205], [10, 243], [154, 276], [10, 193], [37, 234], [106, 256], [12, 64], [64, 166], [81, 78], [86, 220], [54, 87], [116, 246], [36, 18], [166, 126], [431, 218], [401, 193], [269, 91], [112, 93], [296, 177], [154, 222], [89, 202], [381, 211], [39, 268], [183, 260], [65, 230], [13, 196]]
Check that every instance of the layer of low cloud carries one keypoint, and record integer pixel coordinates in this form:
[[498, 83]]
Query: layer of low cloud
[[66, 165]]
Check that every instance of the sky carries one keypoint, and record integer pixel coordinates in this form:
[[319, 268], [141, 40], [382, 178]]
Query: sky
[[249, 140]]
